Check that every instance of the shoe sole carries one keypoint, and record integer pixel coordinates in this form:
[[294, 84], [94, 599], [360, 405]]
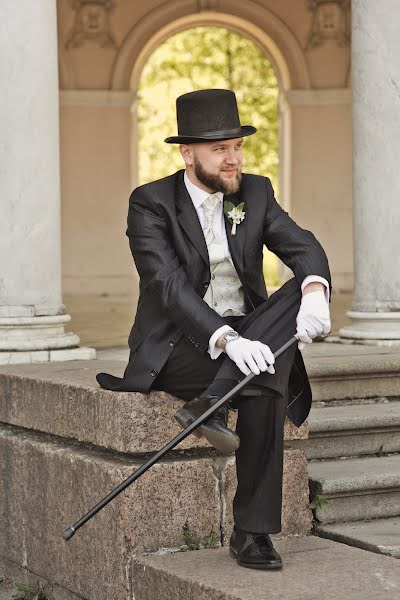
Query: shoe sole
[[221, 442], [260, 567]]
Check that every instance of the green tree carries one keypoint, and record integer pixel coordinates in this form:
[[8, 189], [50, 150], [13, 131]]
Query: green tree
[[209, 57]]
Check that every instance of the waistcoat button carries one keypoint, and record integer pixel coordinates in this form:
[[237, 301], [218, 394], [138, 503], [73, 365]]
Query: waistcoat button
[[154, 373]]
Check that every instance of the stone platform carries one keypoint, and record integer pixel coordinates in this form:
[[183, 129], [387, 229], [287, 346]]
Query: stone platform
[[65, 443], [313, 568]]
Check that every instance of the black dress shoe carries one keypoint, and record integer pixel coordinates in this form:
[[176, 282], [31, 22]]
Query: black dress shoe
[[214, 429], [254, 550]]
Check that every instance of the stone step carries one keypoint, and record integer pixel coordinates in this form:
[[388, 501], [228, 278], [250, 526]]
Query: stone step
[[356, 488], [378, 535], [65, 443], [64, 399], [352, 430], [340, 372], [313, 568]]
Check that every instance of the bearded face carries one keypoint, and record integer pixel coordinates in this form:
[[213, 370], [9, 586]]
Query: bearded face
[[218, 165]]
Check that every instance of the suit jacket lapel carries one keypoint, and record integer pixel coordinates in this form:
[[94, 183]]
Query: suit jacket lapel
[[236, 242], [187, 217]]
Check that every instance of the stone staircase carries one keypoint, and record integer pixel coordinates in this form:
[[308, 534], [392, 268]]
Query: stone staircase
[[65, 443], [353, 448]]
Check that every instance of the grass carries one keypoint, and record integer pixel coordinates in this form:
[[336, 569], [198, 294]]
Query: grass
[[40, 592], [318, 502], [194, 542]]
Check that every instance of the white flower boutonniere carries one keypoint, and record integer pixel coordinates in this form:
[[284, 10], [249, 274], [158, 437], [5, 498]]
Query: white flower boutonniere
[[235, 214]]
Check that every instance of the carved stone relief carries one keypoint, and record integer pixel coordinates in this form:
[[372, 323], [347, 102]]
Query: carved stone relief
[[92, 23], [330, 21], [207, 5]]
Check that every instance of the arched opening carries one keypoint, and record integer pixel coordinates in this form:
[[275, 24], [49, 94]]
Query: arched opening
[[208, 57]]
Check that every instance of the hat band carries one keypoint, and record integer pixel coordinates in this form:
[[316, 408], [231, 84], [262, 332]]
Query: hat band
[[213, 134]]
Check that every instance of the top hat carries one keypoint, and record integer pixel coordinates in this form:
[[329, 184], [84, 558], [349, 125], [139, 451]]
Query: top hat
[[206, 116]]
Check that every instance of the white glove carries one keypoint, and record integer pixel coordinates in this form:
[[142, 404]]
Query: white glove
[[313, 318], [250, 356]]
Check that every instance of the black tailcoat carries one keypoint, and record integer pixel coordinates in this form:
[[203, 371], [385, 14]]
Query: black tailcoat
[[171, 257]]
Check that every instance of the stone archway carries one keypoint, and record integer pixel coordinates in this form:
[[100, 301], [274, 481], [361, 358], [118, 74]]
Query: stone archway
[[254, 22], [250, 19]]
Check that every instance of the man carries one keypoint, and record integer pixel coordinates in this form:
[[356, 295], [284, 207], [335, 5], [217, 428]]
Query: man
[[204, 319]]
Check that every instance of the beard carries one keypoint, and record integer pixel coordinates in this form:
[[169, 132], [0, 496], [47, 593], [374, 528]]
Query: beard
[[216, 182]]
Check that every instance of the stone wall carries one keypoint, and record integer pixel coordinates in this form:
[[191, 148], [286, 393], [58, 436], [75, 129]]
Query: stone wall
[[65, 444]]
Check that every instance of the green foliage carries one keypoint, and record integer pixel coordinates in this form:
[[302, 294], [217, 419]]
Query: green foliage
[[194, 542], [209, 57], [228, 206], [25, 592], [318, 502]]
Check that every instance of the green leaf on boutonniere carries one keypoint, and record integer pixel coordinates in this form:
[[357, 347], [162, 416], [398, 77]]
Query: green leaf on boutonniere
[[227, 207]]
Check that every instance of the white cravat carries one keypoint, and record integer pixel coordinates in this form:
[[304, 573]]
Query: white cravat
[[214, 243], [209, 205]]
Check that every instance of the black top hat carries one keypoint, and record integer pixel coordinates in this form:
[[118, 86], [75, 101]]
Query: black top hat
[[208, 115]]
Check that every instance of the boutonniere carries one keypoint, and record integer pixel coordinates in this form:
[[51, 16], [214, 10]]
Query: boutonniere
[[235, 214]]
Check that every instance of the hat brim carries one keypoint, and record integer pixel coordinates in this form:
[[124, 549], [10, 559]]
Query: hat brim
[[245, 130]]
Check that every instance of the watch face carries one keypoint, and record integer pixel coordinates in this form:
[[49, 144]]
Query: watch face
[[231, 335]]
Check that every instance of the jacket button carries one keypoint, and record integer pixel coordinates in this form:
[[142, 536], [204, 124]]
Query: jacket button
[[154, 373], [172, 342], [205, 284], [197, 344]]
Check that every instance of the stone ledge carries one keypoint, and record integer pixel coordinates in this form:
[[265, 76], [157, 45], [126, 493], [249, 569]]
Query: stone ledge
[[46, 356], [64, 400], [352, 430], [377, 535], [341, 376], [313, 568], [357, 488]]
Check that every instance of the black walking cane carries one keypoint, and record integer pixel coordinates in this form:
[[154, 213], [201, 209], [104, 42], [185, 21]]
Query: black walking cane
[[68, 533]]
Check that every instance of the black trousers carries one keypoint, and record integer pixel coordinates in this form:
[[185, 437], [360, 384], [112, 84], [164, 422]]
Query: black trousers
[[261, 407]]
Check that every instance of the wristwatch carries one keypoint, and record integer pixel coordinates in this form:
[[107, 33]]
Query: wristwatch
[[229, 336]]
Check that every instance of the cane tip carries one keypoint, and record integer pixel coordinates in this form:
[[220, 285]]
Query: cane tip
[[68, 533]]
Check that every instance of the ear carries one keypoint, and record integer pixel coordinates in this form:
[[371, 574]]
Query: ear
[[187, 154]]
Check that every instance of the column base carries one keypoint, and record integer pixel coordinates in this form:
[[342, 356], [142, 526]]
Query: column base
[[44, 356], [39, 339], [379, 328]]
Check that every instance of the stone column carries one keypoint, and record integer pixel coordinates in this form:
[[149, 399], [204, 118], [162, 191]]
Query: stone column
[[375, 311], [32, 316]]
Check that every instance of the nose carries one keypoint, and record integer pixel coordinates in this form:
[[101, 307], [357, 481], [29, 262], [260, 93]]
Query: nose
[[232, 157]]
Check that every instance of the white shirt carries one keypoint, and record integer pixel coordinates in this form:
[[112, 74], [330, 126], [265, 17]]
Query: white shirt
[[198, 196]]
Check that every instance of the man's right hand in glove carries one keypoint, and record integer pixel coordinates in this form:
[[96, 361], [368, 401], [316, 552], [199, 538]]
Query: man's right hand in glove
[[250, 356]]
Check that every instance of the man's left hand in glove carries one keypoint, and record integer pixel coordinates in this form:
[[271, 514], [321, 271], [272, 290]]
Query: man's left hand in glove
[[313, 318]]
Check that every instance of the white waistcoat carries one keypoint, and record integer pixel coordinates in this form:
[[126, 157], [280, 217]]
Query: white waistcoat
[[225, 293]]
